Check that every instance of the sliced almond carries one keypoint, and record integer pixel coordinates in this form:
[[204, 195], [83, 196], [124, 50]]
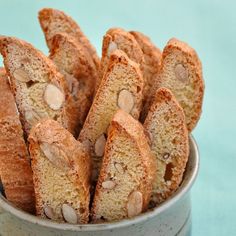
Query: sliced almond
[[21, 75], [48, 211], [109, 184], [32, 117], [54, 97], [126, 100], [111, 48], [69, 214], [119, 168], [55, 156], [100, 145], [135, 203], [181, 72]]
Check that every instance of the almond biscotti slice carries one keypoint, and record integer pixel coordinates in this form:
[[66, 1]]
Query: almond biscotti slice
[[74, 63], [40, 90], [181, 72], [166, 126], [15, 170], [61, 173], [150, 66], [117, 38], [128, 169], [53, 21], [121, 87]]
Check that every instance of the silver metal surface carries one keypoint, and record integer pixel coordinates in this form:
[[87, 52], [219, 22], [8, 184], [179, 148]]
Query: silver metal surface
[[172, 218]]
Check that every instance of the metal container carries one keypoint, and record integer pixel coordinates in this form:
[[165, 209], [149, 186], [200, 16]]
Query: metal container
[[173, 217]]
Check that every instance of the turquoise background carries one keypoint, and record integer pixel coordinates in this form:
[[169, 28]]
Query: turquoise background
[[208, 26]]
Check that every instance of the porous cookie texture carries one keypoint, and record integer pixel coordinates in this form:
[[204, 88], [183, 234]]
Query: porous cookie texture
[[75, 64], [15, 170], [53, 21], [181, 72], [61, 173], [150, 67], [128, 169], [40, 90], [121, 87], [117, 38], [166, 127]]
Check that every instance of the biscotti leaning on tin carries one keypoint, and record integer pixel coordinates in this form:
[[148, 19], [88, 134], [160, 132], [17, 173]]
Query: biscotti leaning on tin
[[15, 170], [75, 64], [128, 169], [181, 72], [61, 172], [166, 127], [121, 87], [150, 67], [40, 90], [53, 21]]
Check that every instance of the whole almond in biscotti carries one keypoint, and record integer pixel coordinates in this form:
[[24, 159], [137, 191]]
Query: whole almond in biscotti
[[15, 170], [122, 75], [40, 90], [117, 38], [150, 66], [61, 173], [166, 125], [181, 72], [124, 194], [75, 64], [53, 21]]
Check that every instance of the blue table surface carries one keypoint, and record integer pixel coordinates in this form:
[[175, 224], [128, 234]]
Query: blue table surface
[[208, 26]]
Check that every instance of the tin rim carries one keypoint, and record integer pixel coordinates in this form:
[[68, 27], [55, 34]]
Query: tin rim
[[189, 178]]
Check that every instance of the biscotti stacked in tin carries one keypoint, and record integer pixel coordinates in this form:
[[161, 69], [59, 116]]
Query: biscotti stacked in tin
[[95, 140]]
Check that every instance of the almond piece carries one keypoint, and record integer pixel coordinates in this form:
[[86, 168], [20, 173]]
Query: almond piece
[[119, 168], [100, 145], [32, 117], [69, 214], [48, 211], [111, 48], [135, 203], [53, 97], [55, 156], [21, 75], [109, 184], [181, 72], [126, 100]]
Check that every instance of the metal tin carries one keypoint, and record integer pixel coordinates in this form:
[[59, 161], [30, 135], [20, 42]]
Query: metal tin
[[171, 218]]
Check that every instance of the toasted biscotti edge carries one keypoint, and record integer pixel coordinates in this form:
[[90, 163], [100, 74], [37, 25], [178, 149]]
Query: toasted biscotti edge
[[15, 169]]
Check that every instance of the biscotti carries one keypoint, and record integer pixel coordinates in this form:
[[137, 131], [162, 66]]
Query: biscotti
[[40, 90], [117, 38], [128, 169], [121, 87], [53, 21], [61, 173], [74, 63], [165, 124], [181, 72], [15, 170], [150, 67]]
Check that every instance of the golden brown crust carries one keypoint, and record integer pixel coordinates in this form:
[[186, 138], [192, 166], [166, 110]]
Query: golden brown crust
[[77, 167], [15, 170], [189, 93], [54, 21], [165, 123], [19, 54], [121, 74], [124, 41], [124, 126], [150, 67], [73, 61]]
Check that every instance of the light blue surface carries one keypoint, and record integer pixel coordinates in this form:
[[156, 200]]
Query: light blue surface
[[210, 27]]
